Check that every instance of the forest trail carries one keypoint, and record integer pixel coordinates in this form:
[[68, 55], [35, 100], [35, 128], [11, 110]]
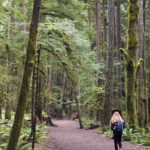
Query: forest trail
[[68, 136]]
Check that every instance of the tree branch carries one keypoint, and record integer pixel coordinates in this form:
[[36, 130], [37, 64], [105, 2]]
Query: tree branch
[[125, 54], [139, 63]]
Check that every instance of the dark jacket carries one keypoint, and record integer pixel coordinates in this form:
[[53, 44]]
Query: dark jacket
[[113, 125]]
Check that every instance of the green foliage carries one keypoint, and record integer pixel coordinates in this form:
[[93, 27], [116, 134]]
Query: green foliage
[[87, 122], [70, 51], [24, 141], [127, 134], [142, 137], [106, 131]]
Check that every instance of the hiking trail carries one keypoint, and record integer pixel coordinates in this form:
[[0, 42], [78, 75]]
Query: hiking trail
[[68, 136]]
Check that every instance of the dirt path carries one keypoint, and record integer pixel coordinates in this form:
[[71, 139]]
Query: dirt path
[[68, 136]]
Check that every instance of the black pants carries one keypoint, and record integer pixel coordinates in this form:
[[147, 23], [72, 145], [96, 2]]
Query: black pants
[[117, 139]]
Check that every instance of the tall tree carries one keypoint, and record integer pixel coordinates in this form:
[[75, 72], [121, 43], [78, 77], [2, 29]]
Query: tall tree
[[118, 46], [131, 63], [99, 53], [148, 60], [109, 69], [38, 87], [78, 107], [30, 56], [8, 104], [142, 102], [98, 14]]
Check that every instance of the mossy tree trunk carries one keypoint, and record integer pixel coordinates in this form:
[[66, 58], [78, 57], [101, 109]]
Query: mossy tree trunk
[[142, 102], [131, 64], [147, 27], [29, 63]]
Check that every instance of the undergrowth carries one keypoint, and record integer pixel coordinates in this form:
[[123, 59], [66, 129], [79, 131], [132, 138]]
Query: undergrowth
[[135, 137], [87, 122], [24, 142]]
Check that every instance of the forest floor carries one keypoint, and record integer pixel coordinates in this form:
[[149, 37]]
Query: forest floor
[[68, 136]]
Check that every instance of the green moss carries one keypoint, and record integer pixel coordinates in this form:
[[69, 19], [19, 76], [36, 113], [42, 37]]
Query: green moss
[[22, 102], [131, 67]]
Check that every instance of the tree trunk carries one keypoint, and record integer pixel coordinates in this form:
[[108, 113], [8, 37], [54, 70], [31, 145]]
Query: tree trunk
[[38, 88], [8, 103], [69, 95], [30, 56], [78, 108], [63, 92], [104, 22], [98, 14], [33, 119], [131, 64], [8, 110], [0, 112], [142, 102], [109, 72], [118, 46], [148, 58], [50, 79], [21, 65], [99, 53]]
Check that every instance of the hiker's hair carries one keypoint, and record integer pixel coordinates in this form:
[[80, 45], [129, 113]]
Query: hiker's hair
[[115, 117]]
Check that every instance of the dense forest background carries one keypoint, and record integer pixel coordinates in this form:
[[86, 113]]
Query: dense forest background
[[79, 66]]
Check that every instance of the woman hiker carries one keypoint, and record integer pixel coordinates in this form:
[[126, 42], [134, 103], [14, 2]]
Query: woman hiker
[[117, 125]]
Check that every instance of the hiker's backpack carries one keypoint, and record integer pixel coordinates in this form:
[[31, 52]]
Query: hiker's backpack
[[118, 126]]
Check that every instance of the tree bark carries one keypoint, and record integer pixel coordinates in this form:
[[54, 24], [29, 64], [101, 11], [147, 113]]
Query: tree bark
[[30, 56], [148, 58], [33, 113], [131, 64], [118, 46], [142, 102], [50, 81], [20, 68], [0, 108], [104, 21], [109, 72], [78, 108], [38, 88], [63, 92], [98, 14], [69, 96], [8, 103], [8, 110]]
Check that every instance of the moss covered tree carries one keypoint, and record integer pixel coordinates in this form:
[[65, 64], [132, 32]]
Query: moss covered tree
[[131, 63], [30, 56], [142, 102]]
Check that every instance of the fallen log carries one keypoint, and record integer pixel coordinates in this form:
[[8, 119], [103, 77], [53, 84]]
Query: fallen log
[[92, 126]]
